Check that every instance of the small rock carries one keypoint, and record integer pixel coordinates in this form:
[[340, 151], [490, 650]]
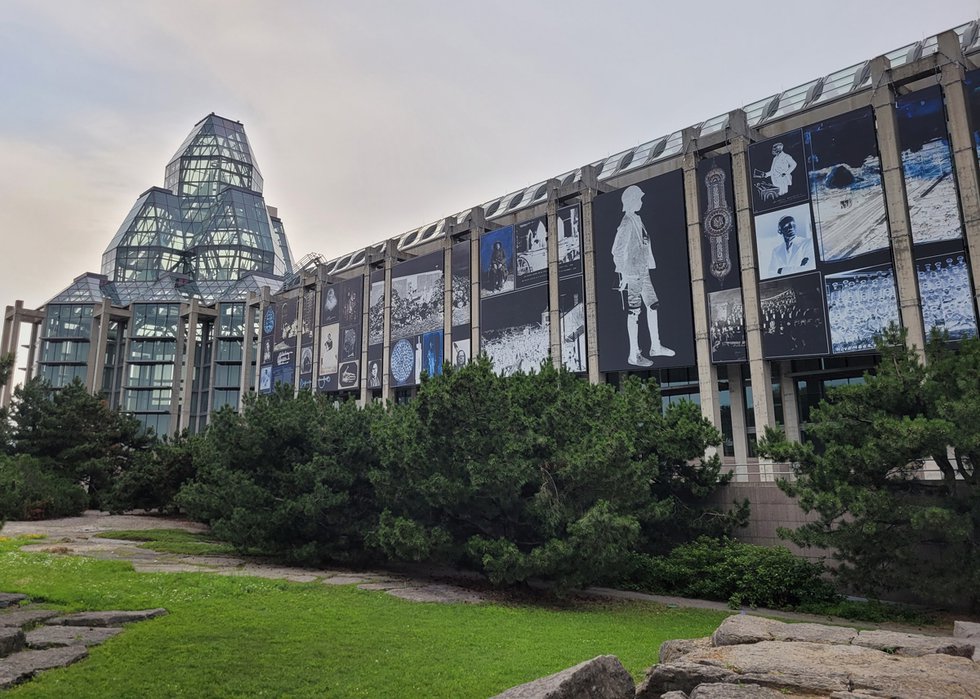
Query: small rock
[[21, 666], [743, 628], [914, 645], [25, 617], [680, 676], [674, 695], [8, 599], [11, 641], [966, 629], [677, 648], [53, 636], [600, 678], [717, 690], [103, 619]]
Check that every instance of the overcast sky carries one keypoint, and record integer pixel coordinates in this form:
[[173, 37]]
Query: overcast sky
[[369, 119]]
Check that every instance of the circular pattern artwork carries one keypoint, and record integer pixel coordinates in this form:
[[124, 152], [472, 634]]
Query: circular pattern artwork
[[270, 321], [402, 361]]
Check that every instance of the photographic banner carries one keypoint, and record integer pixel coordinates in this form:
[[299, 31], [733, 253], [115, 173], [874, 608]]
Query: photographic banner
[[514, 320], [340, 339], [284, 347], [571, 290], [417, 298], [720, 260], [941, 263], [643, 281], [820, 253]]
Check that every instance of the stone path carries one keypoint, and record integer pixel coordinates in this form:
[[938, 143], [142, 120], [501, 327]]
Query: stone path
[[34, 639], [79, 536]]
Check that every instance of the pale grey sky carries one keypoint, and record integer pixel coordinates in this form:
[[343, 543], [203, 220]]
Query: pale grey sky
[[370, 119]]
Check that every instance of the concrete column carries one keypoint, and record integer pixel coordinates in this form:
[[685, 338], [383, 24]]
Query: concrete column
[[961, 140], [11, 340], [387, 391], [758, 367], [365, 333], [32, 351], [736, 394], [791, 408], [190, 361], [97, 347], [896, 204], [591, 182], [707, 372], [248, 350], [554, 312], [447, 288], [475, 273]]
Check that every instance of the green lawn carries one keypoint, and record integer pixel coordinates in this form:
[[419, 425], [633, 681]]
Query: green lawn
[[250, 637]]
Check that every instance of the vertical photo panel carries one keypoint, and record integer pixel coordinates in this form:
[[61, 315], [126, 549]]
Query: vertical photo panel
[[376, 309], [497, 262], [927, 166], [569, 241], [571, 316], [861, 304], [515, 330], [947, 297], [778, 172], [793, 322], [845, 186], [719, 241], [531, 252], [726, 331], [461, 284], [643, 280]]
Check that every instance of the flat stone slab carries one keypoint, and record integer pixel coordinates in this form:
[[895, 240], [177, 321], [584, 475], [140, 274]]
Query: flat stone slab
[[443, 594], [11, 641], [385, 586], [600, 678], [818, 669], [745, 628], [269, 573], [21, 666], [716, 690], [103, 619], [8, 599], [21, 617], [966, 629], [345, 580], [55, 636], [912, 645]]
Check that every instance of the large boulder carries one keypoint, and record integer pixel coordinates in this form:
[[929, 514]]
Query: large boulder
[[912, 645], [675, 649], [745, 628], [600, 678]]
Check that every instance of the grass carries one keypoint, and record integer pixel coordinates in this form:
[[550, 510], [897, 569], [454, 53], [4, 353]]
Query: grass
[[172, 541], [250, 637]]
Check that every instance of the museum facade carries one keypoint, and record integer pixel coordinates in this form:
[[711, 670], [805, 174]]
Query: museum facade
[[746, 263]]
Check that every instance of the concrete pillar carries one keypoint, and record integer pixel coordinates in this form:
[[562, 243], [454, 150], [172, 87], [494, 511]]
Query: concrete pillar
[[791, 408], [475, 273], [896, 204], [365, 333], [190, 362], [97, 347], [387, 391], [11, 339], [32, 351], [758, 367], [554, 312], [447, 290], [961, 140], [248, 350], [707, 372], [740, 443], [591, 182]]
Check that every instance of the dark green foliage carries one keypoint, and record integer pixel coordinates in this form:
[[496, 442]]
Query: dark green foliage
[[287, 476], [891, 530], [153, 479], [75, 435], [29, 491], [541, 475], [6, 368], [741, 574]]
